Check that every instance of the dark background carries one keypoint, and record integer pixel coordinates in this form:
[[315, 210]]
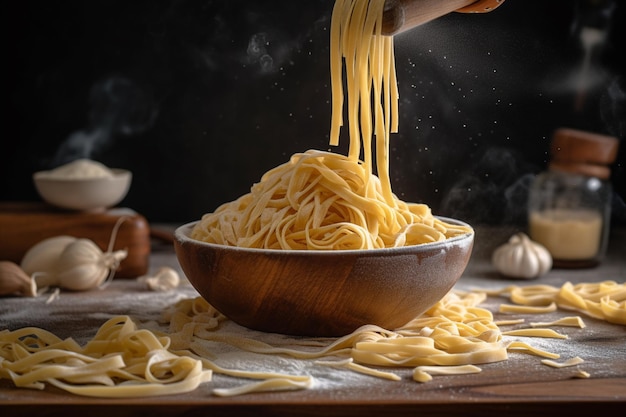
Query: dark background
[[199, 98]]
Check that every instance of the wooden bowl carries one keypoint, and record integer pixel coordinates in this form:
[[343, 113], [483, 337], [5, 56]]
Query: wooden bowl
[[322, 293]]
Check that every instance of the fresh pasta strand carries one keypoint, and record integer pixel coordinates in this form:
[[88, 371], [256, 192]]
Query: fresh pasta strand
[[272, 384], [534, 332], [570, 362], [526, 309], [349, 364], [520, 346], [425, 373], [573, 321], [509, 322]]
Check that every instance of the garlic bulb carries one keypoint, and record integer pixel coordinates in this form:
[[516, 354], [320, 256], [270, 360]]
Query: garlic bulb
[[72, 263], [44, 255], [521, 257], [83, 266]]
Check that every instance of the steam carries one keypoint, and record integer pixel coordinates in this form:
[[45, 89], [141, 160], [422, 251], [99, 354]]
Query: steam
[[118, 107], [591, 38], [613, 108], [258, 52], [494, 191], [274, 41]]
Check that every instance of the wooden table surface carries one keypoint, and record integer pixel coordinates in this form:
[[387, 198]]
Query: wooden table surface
[[519, 386]]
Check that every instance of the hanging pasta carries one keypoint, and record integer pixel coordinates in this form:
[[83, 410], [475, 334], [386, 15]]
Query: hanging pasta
[[327, 201]]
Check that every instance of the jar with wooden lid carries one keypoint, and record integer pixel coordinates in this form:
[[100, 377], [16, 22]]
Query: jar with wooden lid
[[569, 205]]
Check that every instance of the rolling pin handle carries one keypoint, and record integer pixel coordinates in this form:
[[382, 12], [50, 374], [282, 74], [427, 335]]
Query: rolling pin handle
[[481, 6], [402, 15]]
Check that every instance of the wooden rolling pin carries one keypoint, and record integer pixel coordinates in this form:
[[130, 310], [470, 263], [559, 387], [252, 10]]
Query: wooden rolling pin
[[402, 15]]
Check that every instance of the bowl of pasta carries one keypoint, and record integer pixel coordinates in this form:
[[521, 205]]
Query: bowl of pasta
[[322, 292]]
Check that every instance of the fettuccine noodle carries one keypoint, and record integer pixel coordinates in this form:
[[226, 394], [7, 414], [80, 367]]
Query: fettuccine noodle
[[326, 201]]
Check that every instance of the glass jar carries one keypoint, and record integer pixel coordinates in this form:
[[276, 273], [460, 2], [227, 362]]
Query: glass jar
[[569, 206]]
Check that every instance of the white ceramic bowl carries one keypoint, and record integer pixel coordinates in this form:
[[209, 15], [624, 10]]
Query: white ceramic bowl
[[83, 194]]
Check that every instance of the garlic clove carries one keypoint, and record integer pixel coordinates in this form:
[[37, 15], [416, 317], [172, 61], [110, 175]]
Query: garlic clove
[[165, 279], [14, 281]]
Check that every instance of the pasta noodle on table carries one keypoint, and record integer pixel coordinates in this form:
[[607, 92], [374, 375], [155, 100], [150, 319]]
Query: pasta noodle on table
[[452, 337], [123, 360], [326, 201], [454, 332], [604, 300], [572, 321], [570, 362], [120, 361]]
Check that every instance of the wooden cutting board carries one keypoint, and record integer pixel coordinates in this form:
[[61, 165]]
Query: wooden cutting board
[[24, 224]]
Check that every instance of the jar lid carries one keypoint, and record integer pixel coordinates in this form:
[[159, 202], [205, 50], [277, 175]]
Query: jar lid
[[583, 152]]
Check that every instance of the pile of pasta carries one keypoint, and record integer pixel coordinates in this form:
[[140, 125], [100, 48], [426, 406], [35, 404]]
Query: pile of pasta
[[454, 336], [321, 201], [120, 361], [327, 201]]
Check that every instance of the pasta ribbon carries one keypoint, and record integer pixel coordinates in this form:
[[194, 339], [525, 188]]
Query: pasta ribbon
[[525, 309], [272, 384], [548, 333], [350, 364], [425, 373], [570, 362], [574, 321]]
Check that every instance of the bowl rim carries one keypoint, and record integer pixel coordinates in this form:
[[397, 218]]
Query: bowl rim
[[181, 235], [118, 174]]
